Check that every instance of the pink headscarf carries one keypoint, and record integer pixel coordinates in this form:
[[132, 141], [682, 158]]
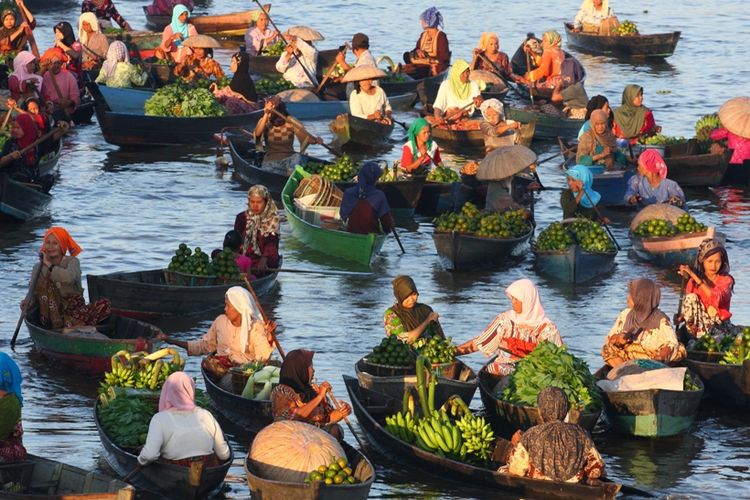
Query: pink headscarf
[[653, 162], [178, 393], [533, 312], [20, 62]]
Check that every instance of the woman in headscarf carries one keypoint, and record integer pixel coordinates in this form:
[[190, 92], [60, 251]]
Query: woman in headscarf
[[457, 96], [65, 40], [596, 102], [239, 96], [651, 184], [297, 398], [555, 450], [364, 206], [24, 82], [409, 319], [33, 107], [94, 43], [59, 86], [11, 401], [175, 33], [117, 70], [633, 120], [496, 130], [259, 36], [642, 331], [592, 15], [13, 38], [277, 130], [23, 133], [420, 152], [105, 12], [549, 71], [182, 433], [58, 293], [598, 146], [579, 200], [488, 49], [515, 333], [259, 227], [432, 54], [708, 292]]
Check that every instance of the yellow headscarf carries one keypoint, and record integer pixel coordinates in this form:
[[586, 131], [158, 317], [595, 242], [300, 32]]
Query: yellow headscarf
[[460, 89]]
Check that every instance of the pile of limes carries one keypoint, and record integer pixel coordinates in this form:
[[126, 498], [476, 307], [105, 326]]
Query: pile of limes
[[655, 228], [508, 224], [436, 349], [391, 351], [265, 86], [626, 28], [591, 236], [190, 262], [343, 170], [337, 472], [224, 266], [443, 174], [554, 237], [275, 49], [687, 224]]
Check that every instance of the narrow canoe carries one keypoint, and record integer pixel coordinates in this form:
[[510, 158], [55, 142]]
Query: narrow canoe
[[247, 413], [472, 138], [728, 385], [658, 45], [458, 251], [268, 489], [548, 127], [689, 168], [464, 384], [427, 85], [359, 248], [170, 480], [37, 478], [91, 351], [402, 195], [123, 122], [737, 174], [231, 24], [265, 66], [370, 409], [351, 131], [161, 74], [438, 197], [20, 201], [507, 417], [672, 251], [146, 294], [321, 110], [84, 111], [651, 412]]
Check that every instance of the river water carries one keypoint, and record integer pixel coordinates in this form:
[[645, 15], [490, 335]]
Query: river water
[[129, 209]]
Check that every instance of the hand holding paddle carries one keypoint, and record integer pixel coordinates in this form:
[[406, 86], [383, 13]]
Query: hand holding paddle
[[295, 123], [17, 154], [270, 325], [26, 301]]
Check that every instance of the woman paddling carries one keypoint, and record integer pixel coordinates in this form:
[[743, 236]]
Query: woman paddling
[[13, 38], [548, 74], [457, 96], [409, 319], [94, 43], [489, 57], [580, 200], [277, 130], [432, 54], [11, 401], [364, 206], [651, 184], [368, 100]]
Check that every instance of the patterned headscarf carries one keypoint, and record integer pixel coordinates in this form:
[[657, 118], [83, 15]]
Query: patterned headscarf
[[607, 138], [67, 243], [553, 38], [494, 104], [706, 249], [653, 162], [267, 222], [117, 52], [177, 393], [416, 126], [20, 62], [295, 372], [10, 376], [630, 117], [90, 18], [645, 313], [460, 89], [432, 17], [532, 313], [485, 38], [177, 25], [244, 304], [583, 173]]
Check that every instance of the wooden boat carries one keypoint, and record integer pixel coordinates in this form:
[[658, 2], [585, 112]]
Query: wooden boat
[[370, 409], [612, 185], [359, 248], [574, 265], [464, 384], [507, 417], [548, 127], [471, 137], [425, 87], [265, 66], [123, 122], [231, 24], [268, 489], [87, 350], [352, 131], [37, 477], [169, 480], [658, 45], [147, 294], [458, 251], [21, 201], [737, 173], [651, 412], [438, 197], [84, 111], [690, 168], [402, 195], [729, 385], [671, 251], [321, 110], [247, 413]]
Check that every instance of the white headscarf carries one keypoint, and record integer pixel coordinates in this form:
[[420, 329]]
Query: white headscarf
[[243, 302], [494, 104], [533, 312], [90, 18], [20, 62], [588, 5], [117, 52]]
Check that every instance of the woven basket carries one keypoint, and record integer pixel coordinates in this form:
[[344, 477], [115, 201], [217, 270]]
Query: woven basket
[[387, 370]]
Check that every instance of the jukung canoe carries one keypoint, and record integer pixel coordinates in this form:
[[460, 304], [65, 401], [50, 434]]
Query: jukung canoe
[[37, 478], [351, 131], [659, 45], [671, 251], [321, 110], [87, 350], [247, 413], [230, 24], [651, 412], [268, 489], [359, 248], [147, 294], [458, 251], [470, 136], [463, 384], [690, 168], [371, 408], [548, 127], [123, 121], [170, 480], [265, 66], [728, 385]]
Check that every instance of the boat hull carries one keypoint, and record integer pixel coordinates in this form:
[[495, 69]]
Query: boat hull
[[612, 186], [695, 170], [547, 127], [321, 110], [637, 46], [671, 251], [729, 385], [232, 24], [351, 131], [20, 202], [247, 413], [573, 265], [458, 251], [265, 66]]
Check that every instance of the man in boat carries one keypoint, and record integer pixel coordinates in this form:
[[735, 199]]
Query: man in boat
[[298, 52], [595, 16], [164, 7], [361, 50], [106, 12]]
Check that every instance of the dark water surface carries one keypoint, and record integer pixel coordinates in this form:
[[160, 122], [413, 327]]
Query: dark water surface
[[130, 209]]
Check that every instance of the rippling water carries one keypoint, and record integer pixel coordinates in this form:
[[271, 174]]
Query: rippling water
[[130, 209]]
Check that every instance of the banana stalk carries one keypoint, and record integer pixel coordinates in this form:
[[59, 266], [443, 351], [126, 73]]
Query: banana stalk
[[421, 391]]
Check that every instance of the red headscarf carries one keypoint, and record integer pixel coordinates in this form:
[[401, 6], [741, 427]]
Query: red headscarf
[[53, 53], [653, 162], [30, 129], [66, 241], [178, 393]]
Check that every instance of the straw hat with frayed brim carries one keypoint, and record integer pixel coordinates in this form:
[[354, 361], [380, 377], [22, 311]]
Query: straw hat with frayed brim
[[480, 75], [735, 116], [363, 73], [306, 33], [201, 42], [505, 162]]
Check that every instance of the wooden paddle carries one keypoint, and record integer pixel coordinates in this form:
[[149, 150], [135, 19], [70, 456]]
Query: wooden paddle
[[495, 69], [398, 240], [455, 114], [331, 70], [7, 158], [30, 33], [34, 279], [601, 219], [6, 119], [263, 315], [132, 473], [346, 420], [531, 84]]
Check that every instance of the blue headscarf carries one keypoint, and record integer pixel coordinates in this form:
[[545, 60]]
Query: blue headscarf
[[177, 26], [10, 376], [583, 174], [432, 17], [365, 189]]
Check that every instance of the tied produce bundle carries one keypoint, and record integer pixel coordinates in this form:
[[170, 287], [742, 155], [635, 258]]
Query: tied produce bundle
[[181, 100], [589, 235]]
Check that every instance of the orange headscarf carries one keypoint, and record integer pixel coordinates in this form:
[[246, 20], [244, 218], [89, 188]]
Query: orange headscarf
[[53, 53], [67, 243]]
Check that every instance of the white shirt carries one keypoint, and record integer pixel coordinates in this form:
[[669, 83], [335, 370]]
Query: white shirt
[[254, 38], [364, 59], [592, 16], [446, 99], [292, 70], [362, 104]]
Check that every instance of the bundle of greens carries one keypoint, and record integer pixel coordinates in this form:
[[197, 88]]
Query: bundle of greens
[[181, 100]]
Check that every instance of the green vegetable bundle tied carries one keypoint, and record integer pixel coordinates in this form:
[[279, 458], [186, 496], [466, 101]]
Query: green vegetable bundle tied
[[181, 100]]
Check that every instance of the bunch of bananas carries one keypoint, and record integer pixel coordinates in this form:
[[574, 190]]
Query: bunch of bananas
[[118, 377], [141, 370], [477, 437], [403, 426], [705, 125], [437, 434]]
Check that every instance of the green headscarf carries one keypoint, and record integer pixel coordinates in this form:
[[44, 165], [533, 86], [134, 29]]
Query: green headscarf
[[553, 38], [629, 117], [460, 89], [416, 126]]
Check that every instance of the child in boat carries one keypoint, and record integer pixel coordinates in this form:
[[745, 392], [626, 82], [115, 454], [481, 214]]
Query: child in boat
[[233, 241]]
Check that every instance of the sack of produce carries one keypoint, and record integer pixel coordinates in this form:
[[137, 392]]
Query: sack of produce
[[288, 451]]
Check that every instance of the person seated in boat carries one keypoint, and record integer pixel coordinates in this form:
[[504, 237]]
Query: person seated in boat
[[58, 292], [20, 166], [233, 241], [555, 450], [548, 73], [260, 36], [420, 152], [14, 38], [364, 206], [59, 86], [515, 333], [24, 82], [432, 55], [651, 184], [296, 397], [277, 130], [174, 34], [258, 226], [408, 318], [94, 43], [65, 40], [200, 64], [708, 293], [117, 70], [598, 145], [596, 102], [298, 63], [579, 200], [633, 120], [527, 56], [457, 96], [369, 101], [642, 331], [164, 7], [105, 12], [595, 16], [32, 107], [739, 145], [496, 130], [181, 432], [489, 57], [11, 402], [239, 96]]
